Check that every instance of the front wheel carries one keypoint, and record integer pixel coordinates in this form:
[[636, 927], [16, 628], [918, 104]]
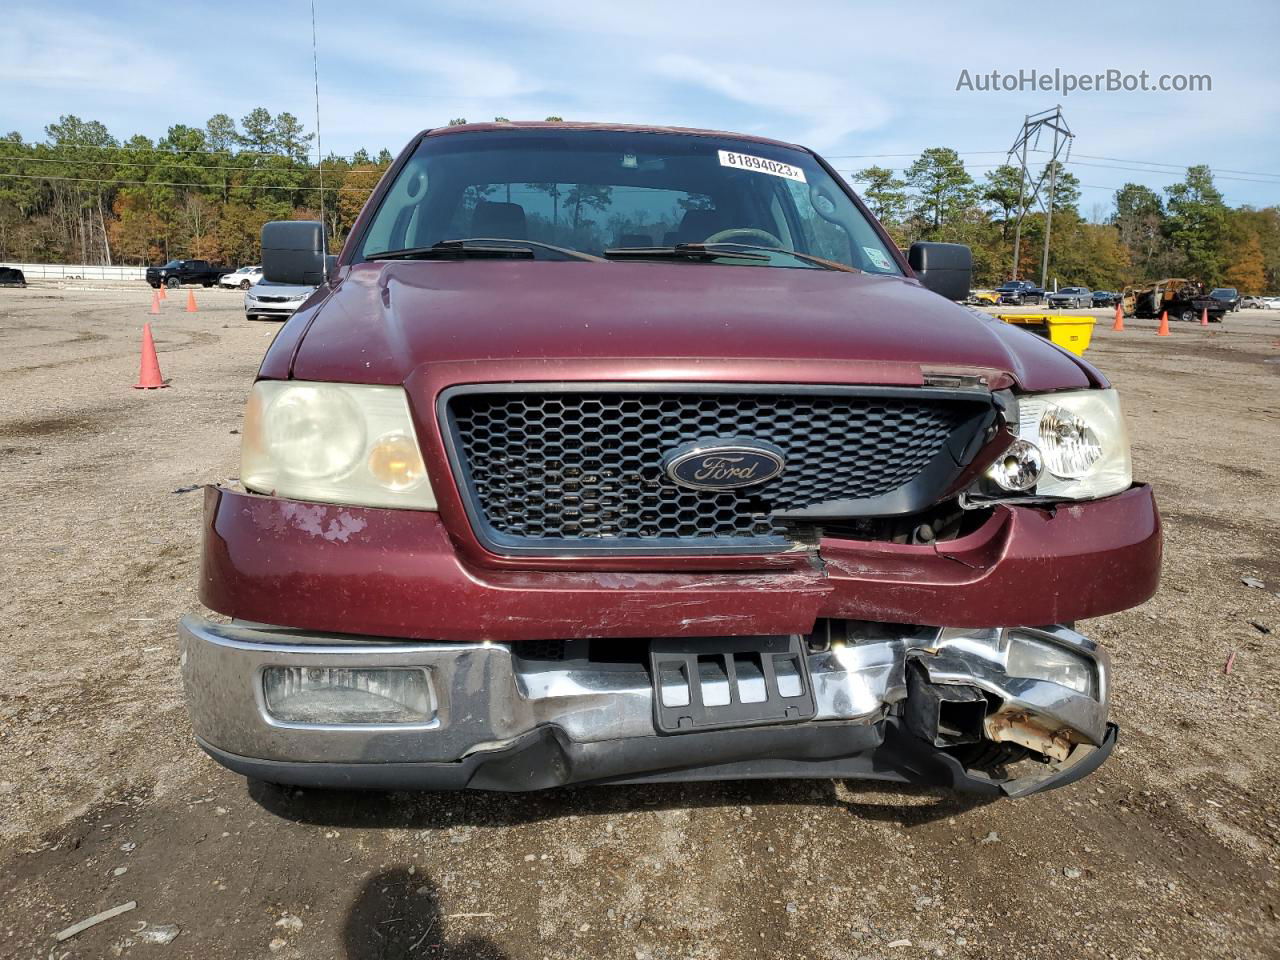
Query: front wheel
[[1187, 316], [173, 283]]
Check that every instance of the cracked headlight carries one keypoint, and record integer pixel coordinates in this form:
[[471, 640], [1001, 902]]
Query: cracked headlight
[[352, 444], [1082, 443]]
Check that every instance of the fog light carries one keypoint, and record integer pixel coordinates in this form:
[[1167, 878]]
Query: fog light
[[1019, 468], [349, 695], [1037, 660]]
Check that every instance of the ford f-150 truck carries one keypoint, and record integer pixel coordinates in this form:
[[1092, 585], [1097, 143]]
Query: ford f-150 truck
[[618, 454]]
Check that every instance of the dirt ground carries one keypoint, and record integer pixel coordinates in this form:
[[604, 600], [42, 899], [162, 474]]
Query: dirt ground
[[1170, 850]]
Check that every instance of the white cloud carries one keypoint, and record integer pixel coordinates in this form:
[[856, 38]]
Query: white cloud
[[828, 107]]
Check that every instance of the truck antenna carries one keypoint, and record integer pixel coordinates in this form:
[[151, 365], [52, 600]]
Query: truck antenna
[[315, 73]]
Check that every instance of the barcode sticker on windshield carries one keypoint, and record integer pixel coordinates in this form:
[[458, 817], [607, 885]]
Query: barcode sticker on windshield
[[878, 258], [745, 161]]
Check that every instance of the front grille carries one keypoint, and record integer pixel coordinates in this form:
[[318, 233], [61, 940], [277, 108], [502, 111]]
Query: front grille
[[555, 468]]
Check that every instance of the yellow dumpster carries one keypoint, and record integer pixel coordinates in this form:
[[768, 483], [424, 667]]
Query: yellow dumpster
[[1067, 331]]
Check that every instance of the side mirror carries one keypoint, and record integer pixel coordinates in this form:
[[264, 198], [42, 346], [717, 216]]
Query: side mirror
[[293, 251], [944, 268]]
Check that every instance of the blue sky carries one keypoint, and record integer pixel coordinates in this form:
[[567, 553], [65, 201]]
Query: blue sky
[[849, 79]]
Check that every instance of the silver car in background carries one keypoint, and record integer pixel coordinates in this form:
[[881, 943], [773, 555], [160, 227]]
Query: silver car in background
[[274, 301], [1071, 298]]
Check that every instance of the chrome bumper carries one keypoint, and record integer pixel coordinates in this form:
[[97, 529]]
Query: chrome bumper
[[487, 699]]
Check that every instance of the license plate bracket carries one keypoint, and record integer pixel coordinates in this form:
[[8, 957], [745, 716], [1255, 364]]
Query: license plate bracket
[[716, 683]]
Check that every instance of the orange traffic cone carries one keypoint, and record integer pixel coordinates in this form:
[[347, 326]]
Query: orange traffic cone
[[149, 372], [163, 295], [1204, 317], [1164, 324], [1118, 326], [191, 301], [155, 302]]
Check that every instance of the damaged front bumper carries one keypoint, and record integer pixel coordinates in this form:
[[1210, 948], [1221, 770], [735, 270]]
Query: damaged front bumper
[[929, 705]]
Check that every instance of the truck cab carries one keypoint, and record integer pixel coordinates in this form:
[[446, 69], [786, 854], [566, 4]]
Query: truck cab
[[607, 453]]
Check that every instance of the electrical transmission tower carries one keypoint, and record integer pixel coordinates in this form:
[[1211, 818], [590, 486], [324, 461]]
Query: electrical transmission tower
[[1033, 126]]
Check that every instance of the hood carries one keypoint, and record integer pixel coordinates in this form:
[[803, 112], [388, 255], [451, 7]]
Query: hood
[[385, 319]]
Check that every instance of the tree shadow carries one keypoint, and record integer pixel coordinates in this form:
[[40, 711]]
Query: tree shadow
[[397, 915], [907, 805]]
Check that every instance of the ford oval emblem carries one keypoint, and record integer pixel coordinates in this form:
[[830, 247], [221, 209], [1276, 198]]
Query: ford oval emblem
[[723, 464]]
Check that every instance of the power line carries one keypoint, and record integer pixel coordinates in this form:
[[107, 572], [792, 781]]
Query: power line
[[175, 151], [134, 163], [160, 183], [878, 156], [1176, 166]]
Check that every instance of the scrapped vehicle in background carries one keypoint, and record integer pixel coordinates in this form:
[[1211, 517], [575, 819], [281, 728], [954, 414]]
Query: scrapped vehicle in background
[[12, 277], [1252, 302], [1071, 298], [244, 278], [177, 272], [1019, 292], [266, 300], [1183, 300], [983, 298], [611, 454]]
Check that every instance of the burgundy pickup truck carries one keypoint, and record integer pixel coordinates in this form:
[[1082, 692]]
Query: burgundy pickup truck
[[621, 454]]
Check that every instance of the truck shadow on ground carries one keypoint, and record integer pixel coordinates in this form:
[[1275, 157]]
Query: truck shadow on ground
[[904, 805], [397, 915]]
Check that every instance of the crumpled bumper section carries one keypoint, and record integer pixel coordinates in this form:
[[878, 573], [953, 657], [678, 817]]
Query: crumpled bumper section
[[916, 707]]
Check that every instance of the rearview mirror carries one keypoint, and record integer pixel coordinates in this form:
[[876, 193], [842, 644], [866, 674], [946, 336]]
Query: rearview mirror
[[293, 251], [944, 268]]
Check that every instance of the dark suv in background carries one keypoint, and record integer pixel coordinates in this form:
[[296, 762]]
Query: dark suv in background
[[1228, 295], [177, 272], [1018, 292]]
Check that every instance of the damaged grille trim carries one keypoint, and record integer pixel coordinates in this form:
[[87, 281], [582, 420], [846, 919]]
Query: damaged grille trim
[[961, 418]]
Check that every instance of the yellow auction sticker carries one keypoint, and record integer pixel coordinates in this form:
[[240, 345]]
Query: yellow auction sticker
[[745, 161]]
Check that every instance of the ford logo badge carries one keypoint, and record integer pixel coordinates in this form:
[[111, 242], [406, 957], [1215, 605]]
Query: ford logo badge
[[723, 464]]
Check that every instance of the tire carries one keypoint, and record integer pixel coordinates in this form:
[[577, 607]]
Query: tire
[[172, 283], [154, 286], [1187, 316], [244, 284]]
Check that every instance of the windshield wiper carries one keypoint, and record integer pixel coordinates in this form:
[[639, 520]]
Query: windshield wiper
[[806, 257], [683, 251], [716, 251], [454, 250], [479, 248]]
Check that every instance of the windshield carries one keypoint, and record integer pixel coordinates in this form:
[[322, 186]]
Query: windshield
[[596, 191]]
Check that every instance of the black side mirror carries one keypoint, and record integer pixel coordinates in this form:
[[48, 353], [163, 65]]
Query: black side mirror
[[944, 268], [293, 251]]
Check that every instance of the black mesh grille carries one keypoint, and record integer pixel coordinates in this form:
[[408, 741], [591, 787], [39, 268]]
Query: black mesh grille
[[586, 468]]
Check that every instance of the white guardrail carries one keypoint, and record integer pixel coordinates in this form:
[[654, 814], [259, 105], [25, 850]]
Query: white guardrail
[[77, 271]]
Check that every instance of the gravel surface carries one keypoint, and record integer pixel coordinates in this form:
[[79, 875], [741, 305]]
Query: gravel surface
[[1170, 850]]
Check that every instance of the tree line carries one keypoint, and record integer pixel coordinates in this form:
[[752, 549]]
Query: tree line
[[84, 196], [1189, 231]]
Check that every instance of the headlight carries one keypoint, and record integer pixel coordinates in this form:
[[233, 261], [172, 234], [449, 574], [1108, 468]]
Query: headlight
[[333, 442], [1082, 444], [1039, 660]]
